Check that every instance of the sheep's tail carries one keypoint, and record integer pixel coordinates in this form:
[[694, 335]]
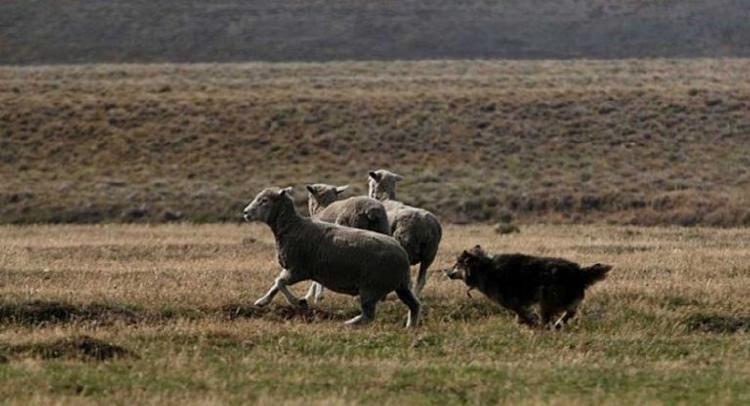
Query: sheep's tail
[[373, 214], [595, 273], [377, 220]]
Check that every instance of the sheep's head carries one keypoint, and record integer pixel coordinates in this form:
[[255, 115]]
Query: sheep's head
[[321, 195], [383, 184], [262, 206]]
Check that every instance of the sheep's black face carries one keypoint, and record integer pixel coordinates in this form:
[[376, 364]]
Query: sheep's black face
[[261, 207]]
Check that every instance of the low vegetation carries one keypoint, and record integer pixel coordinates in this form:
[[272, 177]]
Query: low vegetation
[[627, 142], [163, 314]]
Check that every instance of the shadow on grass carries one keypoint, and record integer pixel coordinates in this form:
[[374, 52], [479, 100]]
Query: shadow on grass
[[476, 308], [234, 311], [83, 348], [719, 324], [40, 312]]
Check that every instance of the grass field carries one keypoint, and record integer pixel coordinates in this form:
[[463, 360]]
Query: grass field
[[669, 326], [638, 142]]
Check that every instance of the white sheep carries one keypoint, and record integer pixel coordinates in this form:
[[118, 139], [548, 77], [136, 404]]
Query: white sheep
[[358, 212], [417, 230], [343, 259]]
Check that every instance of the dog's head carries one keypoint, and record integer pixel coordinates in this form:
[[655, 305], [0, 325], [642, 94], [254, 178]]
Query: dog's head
[[467, 264]]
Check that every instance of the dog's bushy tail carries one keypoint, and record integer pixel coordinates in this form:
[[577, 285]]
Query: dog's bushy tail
[[595, 273]]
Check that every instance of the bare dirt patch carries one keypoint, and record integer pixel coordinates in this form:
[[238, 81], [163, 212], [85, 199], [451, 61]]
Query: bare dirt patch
[[80, 347]]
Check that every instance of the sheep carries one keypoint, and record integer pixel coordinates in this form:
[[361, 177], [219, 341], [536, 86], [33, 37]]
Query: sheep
[[418, 230], [343, 259], [358, 212]]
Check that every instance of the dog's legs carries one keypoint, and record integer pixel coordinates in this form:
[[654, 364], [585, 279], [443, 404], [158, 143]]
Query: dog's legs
[[526, 316], [548, 314], [570, 312]]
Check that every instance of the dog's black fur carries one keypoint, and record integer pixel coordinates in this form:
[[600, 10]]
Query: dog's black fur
[[518, 282]]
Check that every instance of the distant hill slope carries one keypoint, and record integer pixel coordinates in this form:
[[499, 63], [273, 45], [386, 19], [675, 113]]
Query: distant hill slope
[[634, 142], [85, 31]]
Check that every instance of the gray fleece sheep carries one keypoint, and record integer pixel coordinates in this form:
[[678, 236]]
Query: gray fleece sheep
[[418, 230], [358, 212], [345, 260]]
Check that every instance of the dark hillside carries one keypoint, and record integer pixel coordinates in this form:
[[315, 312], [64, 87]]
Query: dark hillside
[[135, 31]]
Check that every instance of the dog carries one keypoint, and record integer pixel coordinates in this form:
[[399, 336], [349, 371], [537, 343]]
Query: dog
[[517, 282]]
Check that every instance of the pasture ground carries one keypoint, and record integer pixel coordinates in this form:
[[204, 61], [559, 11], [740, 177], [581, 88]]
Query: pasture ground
[[163, 314]]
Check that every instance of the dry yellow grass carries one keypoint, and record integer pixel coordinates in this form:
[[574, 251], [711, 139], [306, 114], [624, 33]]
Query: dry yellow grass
[[669, 325]]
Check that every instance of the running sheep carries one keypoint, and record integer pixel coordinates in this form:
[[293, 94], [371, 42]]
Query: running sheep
[[417, 230], [345, 260], [357, 212]]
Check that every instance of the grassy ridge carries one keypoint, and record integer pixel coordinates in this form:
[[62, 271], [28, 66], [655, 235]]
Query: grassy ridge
[[637, 142], [163, 314]]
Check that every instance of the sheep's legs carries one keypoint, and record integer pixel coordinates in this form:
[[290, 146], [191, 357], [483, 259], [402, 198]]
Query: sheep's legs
[[368, 311], [315, 293], [280, 285], [421, 279], [410, 300]]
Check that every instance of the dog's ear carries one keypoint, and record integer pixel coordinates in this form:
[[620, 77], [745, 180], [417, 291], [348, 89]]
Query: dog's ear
[[464, 256]]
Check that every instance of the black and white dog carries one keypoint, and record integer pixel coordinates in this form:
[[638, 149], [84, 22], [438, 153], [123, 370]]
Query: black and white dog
[[518, 282]]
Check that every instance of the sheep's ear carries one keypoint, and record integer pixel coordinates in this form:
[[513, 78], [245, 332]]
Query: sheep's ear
[[341, 189], [286, 191], [310, 189], [375, 176]]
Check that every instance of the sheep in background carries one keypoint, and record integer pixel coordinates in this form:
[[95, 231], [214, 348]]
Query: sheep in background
[[418, 230], [358, 212], [343, 259]]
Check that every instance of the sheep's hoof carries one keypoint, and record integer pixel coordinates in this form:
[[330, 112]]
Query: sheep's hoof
[[558, 326], [302, 304], [261, 302], [356, 321]]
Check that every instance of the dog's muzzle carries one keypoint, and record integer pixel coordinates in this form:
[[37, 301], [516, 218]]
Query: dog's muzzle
[[453, 273]]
